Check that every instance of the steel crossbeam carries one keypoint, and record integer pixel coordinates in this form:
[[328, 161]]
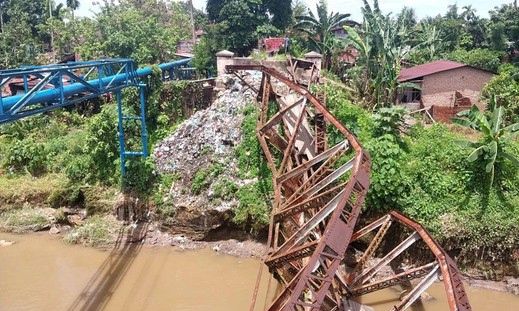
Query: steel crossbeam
[[319, 192], [51, 87]]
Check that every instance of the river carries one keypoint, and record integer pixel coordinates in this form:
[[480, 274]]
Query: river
[[40, 272]]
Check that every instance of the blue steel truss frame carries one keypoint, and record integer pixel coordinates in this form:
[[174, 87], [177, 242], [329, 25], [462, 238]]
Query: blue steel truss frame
[[50, 87]]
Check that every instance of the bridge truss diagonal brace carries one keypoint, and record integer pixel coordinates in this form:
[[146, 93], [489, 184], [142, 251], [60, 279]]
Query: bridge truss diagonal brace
[[315, 212]]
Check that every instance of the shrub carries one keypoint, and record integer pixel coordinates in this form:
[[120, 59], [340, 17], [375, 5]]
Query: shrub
[[388, 183], [253, 209], [24, 220], [505, 88], [140, 176], [224, 189], [97, 231], [28, 155], [480, 58], [204, 177]]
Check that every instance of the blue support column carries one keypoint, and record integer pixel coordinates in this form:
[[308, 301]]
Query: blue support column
[[122, 147], [144, 130]]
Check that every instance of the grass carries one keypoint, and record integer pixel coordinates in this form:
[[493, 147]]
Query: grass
[[25, 220], [97, 231], [19, 189]]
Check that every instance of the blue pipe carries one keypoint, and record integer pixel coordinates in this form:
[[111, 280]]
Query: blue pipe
[[76, 88]]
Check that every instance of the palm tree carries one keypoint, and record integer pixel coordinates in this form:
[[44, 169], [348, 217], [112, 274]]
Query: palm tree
[[73, 5], [495, 136], [319, 29]]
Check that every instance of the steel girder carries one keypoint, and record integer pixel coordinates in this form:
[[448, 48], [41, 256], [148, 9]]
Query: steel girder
[[319, 192]]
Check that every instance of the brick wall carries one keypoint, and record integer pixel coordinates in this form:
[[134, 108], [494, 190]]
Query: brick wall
[[439, 89], [445, 114]]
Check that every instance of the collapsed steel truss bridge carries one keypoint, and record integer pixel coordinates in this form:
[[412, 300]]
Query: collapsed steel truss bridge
[[315, 248]]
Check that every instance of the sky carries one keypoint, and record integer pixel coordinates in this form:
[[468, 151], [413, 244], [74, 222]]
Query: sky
[[422, 8]]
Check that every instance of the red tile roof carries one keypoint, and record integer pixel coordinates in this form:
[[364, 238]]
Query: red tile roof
[[428, 69]]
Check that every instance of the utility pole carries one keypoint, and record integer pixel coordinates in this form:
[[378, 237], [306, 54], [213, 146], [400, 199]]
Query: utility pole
[[192, 21]]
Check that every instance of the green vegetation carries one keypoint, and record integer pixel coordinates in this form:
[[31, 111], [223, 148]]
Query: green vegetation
[[254, 198], [505, 88], [495, 138], [466, 194], [319, 30], [204, 177], [25, 220], [97, 231], [70, 158], [425, 174], [480, 58]]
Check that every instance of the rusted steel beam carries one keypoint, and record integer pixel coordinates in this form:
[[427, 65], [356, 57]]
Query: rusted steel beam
[[408, 300], [400, 278], [315, 210], [366, 275]]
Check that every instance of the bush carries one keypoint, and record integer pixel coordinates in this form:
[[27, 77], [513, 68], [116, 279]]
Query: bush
[[505, 87], [225, 189], [140, 176], [388, 183], [28, 155], [481, 58], [254, 199], [204, 177], [24, 220], [97, 231], [253, 209]]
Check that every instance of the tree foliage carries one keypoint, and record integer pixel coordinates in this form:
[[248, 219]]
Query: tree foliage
[[319, 29]]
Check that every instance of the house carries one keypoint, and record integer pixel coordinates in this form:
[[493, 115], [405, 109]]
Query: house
[[185, 48], [444, 87]]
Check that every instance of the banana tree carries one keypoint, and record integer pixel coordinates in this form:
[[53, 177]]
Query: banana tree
[[383, 42], [495, 136]]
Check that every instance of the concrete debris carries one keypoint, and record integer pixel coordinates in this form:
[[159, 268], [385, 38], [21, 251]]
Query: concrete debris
[[203, 142]]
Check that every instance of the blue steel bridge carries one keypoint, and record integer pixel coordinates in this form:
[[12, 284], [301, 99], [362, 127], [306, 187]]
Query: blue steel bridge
[[32, 90]]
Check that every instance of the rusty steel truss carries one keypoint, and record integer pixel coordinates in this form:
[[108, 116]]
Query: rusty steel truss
[[321, 178]]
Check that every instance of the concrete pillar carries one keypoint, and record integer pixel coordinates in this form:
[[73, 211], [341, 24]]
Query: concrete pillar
[[223, 58], [315, 58]]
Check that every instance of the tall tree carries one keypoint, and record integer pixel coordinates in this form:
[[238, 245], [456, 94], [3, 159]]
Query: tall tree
[[508, 14], [281, 11], [213, 9], [3, 4], [382, 42], [320, 28], [73, 5], [241, 19]]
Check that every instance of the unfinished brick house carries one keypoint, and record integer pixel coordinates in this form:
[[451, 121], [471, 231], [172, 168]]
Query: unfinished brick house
[[445, 87]]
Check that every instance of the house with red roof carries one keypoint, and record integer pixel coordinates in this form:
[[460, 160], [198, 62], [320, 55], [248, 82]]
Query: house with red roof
[[445, 87]]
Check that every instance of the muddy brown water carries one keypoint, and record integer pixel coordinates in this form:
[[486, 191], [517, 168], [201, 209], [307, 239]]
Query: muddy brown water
[[39, 272]]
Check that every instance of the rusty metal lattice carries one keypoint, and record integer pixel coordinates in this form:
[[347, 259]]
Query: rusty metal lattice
[[319, 192]]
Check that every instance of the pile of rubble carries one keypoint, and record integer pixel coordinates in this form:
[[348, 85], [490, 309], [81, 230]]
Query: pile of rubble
[[207, 138]]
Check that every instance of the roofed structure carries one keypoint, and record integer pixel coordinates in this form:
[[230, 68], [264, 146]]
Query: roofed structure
[[427, 69]]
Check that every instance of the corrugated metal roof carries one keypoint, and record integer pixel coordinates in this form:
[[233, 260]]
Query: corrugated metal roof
[[428, 69]]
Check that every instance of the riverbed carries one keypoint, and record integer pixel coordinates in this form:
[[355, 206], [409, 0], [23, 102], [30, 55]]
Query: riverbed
[[40, 272]]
